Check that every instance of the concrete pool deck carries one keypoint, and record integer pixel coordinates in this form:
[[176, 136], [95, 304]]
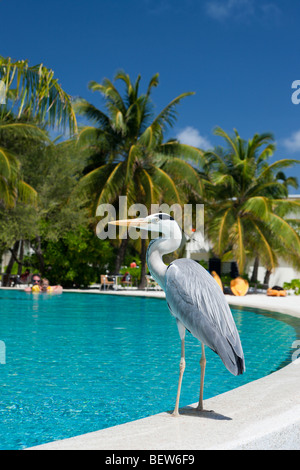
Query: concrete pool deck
[[263, 414]]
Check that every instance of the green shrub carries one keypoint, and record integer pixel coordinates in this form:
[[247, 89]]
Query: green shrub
[[293, 285], [135, 274]]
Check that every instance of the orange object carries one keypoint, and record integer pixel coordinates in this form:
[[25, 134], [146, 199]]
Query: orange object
[[276, 293], [217, 279], [239, 286]]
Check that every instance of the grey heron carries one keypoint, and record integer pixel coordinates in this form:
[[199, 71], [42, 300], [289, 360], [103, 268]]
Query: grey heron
[[193, 297]]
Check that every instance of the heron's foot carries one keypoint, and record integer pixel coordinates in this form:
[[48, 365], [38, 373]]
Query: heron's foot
[[200, 408], [175, 414]]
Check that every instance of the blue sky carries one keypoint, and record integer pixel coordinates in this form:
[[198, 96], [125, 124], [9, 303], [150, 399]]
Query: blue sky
[[240, 57]]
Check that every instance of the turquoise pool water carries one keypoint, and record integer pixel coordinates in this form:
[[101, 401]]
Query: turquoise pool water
[[77, 363]]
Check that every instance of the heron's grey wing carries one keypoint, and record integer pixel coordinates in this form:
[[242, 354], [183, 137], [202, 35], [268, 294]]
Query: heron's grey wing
[[197, 301]]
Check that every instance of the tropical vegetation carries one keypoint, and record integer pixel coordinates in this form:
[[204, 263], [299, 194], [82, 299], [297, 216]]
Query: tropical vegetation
[[50, 188], [294, 286], [247, 202], [130, 155]]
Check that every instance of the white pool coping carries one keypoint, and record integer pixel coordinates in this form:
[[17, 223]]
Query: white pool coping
[[263, 414]]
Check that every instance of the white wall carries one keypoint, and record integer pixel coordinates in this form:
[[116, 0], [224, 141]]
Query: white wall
[[284, 273]]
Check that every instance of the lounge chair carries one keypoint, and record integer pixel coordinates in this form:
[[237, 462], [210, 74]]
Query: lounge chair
[[239, 286], [217, 279], [151, 283], [276, 292], [105, 282]]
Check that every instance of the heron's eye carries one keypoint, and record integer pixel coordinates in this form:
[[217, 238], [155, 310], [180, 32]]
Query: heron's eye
[[155, 220]]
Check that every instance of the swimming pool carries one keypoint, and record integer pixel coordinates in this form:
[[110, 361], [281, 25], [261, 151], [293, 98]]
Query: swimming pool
[[78, 363]]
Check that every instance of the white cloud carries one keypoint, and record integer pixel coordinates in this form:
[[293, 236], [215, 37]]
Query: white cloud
[[270, 10], [292, 143], [223, 9], [191, 136]]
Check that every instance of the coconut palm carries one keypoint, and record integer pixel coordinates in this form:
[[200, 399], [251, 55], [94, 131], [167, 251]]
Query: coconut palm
[[12, 185], [130, 157], [33, 91], [246, 212], [32, 97]]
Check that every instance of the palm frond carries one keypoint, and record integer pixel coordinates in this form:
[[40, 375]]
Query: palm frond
[[113, 185], [283, 230], [151, 192], [132, 156], [221, 133], [5, 163], [270, 262], [284, 163], [222, 239], [92, 113], [23, 129], [168, 115], [184, 174], [109, 91], [259, 206], [167, 185], [38, 93], [26, 193], [153, 83], [184, 151]]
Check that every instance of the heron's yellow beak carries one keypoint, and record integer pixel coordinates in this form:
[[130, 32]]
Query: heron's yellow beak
[[131, 222]]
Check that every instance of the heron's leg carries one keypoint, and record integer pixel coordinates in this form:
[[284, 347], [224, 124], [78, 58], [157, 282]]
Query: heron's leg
[[202, 365], [181, 371], [181, 330]]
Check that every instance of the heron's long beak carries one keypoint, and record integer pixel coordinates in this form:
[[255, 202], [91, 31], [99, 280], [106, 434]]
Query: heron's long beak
[[143, 223]]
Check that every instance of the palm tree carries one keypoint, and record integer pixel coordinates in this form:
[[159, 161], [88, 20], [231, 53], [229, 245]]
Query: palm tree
[[130, 157], [12, 185], [33, 97], [248, 203], [33, 91]]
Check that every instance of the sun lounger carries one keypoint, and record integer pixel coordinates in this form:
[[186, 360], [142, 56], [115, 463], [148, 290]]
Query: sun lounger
[[217, 279], [239, 286], [276, 292]]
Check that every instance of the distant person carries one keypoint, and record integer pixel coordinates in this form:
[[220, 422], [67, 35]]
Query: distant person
[[126, 277], [39, 285], [24, 278], [45, 287], [36, 282]]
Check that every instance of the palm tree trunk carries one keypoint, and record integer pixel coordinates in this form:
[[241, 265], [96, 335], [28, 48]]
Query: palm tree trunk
[[255, 270], [267, 277], [39, 253], [14, 251], [121, 255], [21, 256], [143, 281]]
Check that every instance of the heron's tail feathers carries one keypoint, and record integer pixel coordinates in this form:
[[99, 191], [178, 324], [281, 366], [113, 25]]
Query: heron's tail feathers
[[240, 364], [232, 357]]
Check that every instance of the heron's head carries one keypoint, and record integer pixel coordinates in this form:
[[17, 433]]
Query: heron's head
[[156, 223]]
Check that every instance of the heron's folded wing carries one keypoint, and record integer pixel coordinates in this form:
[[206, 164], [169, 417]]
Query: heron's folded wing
[[197, 301]]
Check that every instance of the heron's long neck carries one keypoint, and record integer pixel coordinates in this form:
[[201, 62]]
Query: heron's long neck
[[156, 250]]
